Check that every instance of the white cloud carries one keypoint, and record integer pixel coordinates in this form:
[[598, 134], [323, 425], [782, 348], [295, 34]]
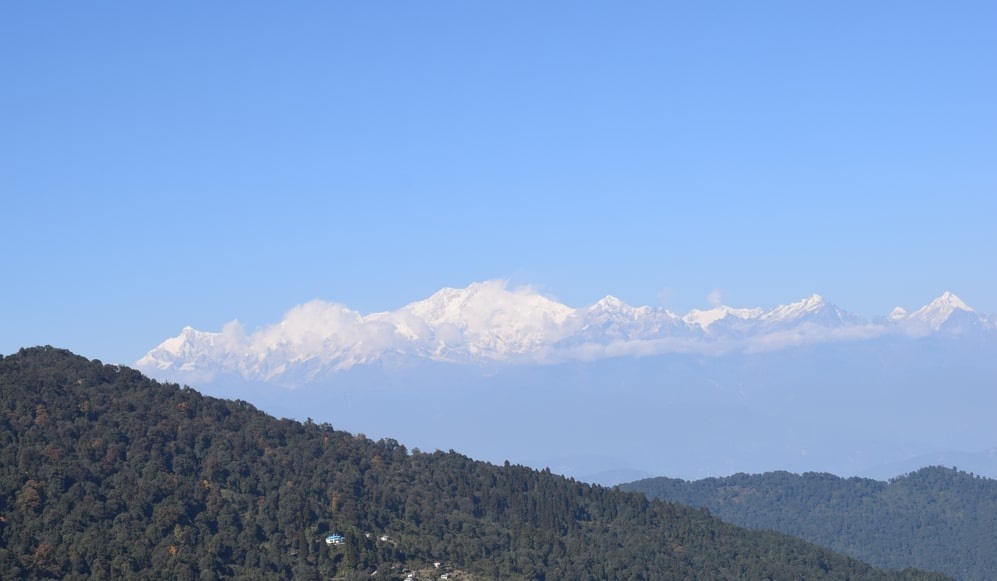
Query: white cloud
[[810, 334], [233, 333], [309, 328]]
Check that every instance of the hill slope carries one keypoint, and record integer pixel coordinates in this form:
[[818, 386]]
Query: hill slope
[[106, 474], [936, 518]]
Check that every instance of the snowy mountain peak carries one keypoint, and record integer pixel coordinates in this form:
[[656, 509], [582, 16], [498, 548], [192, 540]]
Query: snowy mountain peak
[[188, 339], [704, 319], [950, 301], [610, 303], [487, 302], [813, 302], [612, 306], [193, 353], [485, 321], [814, 308], [935, 313], [897, 314]]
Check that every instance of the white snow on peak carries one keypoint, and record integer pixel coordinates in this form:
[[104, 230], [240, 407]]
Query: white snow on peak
[[177, 344], [813, 302], [611, 320], [197, 354], [809, 305], [189, 340], [614, 307], [706, 318], [489, 319], [610, 303], [935, 313], [949, 300], [487, 302]]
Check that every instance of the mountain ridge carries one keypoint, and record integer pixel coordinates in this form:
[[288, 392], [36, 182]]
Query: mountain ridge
[[488, 322]]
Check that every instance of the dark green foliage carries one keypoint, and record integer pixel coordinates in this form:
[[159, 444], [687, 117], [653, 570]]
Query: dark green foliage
[[936, 518], [107, 474]]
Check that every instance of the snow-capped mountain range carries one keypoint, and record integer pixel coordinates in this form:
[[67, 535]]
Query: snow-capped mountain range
[[490, 322]]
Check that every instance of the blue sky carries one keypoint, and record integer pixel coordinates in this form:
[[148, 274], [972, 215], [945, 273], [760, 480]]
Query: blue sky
[[189, 163]]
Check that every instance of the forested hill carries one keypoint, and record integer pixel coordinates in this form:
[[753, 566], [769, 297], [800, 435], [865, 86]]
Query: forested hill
[[107, 474], [936, 518]]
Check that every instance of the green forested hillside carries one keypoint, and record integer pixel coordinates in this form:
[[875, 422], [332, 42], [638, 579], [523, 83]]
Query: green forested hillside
[[936, 518], [107, 474]]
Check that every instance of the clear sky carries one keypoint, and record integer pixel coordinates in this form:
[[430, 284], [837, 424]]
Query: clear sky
[[188, 163]]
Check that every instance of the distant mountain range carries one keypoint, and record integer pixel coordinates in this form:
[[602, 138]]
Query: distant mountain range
[[612, 392], [489, 323]]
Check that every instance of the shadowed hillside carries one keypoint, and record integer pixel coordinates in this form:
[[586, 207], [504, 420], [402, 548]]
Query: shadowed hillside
[[936, 518]]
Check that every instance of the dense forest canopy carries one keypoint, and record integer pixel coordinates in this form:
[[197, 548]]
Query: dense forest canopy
[[107, 474], [936, 518]]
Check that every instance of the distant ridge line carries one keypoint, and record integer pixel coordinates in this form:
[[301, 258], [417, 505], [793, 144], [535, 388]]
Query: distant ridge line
[[489, 322]]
